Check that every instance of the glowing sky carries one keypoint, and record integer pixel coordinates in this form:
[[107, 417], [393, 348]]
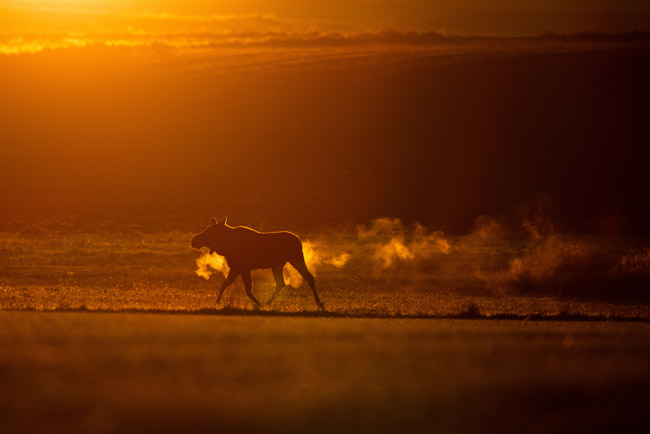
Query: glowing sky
[[503, 17]]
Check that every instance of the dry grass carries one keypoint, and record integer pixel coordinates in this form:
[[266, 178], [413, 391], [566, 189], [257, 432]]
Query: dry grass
[[137, 270], [94, 372]]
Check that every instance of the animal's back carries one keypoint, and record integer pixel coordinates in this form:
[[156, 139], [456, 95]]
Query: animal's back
[[252, 249]]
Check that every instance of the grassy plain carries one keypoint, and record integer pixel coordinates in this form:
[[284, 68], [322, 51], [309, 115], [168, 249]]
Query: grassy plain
[[67, 372], [109, 329], [139, 270]]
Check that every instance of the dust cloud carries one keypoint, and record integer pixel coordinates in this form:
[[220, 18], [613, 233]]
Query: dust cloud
[[316, 255], [391, 242], [528, 257]]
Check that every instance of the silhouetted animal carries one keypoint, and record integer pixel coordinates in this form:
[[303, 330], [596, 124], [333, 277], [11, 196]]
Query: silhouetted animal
[[246, 249]]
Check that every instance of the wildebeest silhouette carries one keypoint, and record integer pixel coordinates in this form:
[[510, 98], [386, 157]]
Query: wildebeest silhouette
[[246, 249]]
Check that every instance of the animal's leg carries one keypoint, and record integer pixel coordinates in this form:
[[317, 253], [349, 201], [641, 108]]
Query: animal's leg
[[299, 264], [279, 282], [232, 275], [248, 284]]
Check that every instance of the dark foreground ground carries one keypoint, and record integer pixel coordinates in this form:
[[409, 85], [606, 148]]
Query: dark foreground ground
[[111, 372]]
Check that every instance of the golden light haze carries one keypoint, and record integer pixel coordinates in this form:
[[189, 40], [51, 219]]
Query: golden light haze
[[464, 17], [444, 163], [307, 112]]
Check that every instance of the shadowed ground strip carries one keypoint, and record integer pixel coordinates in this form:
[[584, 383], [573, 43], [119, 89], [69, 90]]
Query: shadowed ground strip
[[92, 372]]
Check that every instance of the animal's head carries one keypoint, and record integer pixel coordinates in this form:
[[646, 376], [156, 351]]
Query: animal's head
[[212, 236]]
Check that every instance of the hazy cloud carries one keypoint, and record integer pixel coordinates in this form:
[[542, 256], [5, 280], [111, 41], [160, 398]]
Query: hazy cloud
[[25, 30]]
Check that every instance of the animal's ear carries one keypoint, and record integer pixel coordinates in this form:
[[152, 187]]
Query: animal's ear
[[223, 222], [214, 221]]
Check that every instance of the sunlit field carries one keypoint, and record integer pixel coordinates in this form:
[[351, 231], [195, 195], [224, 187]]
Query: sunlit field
[[108, 327], [384, 268]]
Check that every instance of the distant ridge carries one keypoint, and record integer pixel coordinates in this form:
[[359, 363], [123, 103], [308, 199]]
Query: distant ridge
[[598, 36]]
